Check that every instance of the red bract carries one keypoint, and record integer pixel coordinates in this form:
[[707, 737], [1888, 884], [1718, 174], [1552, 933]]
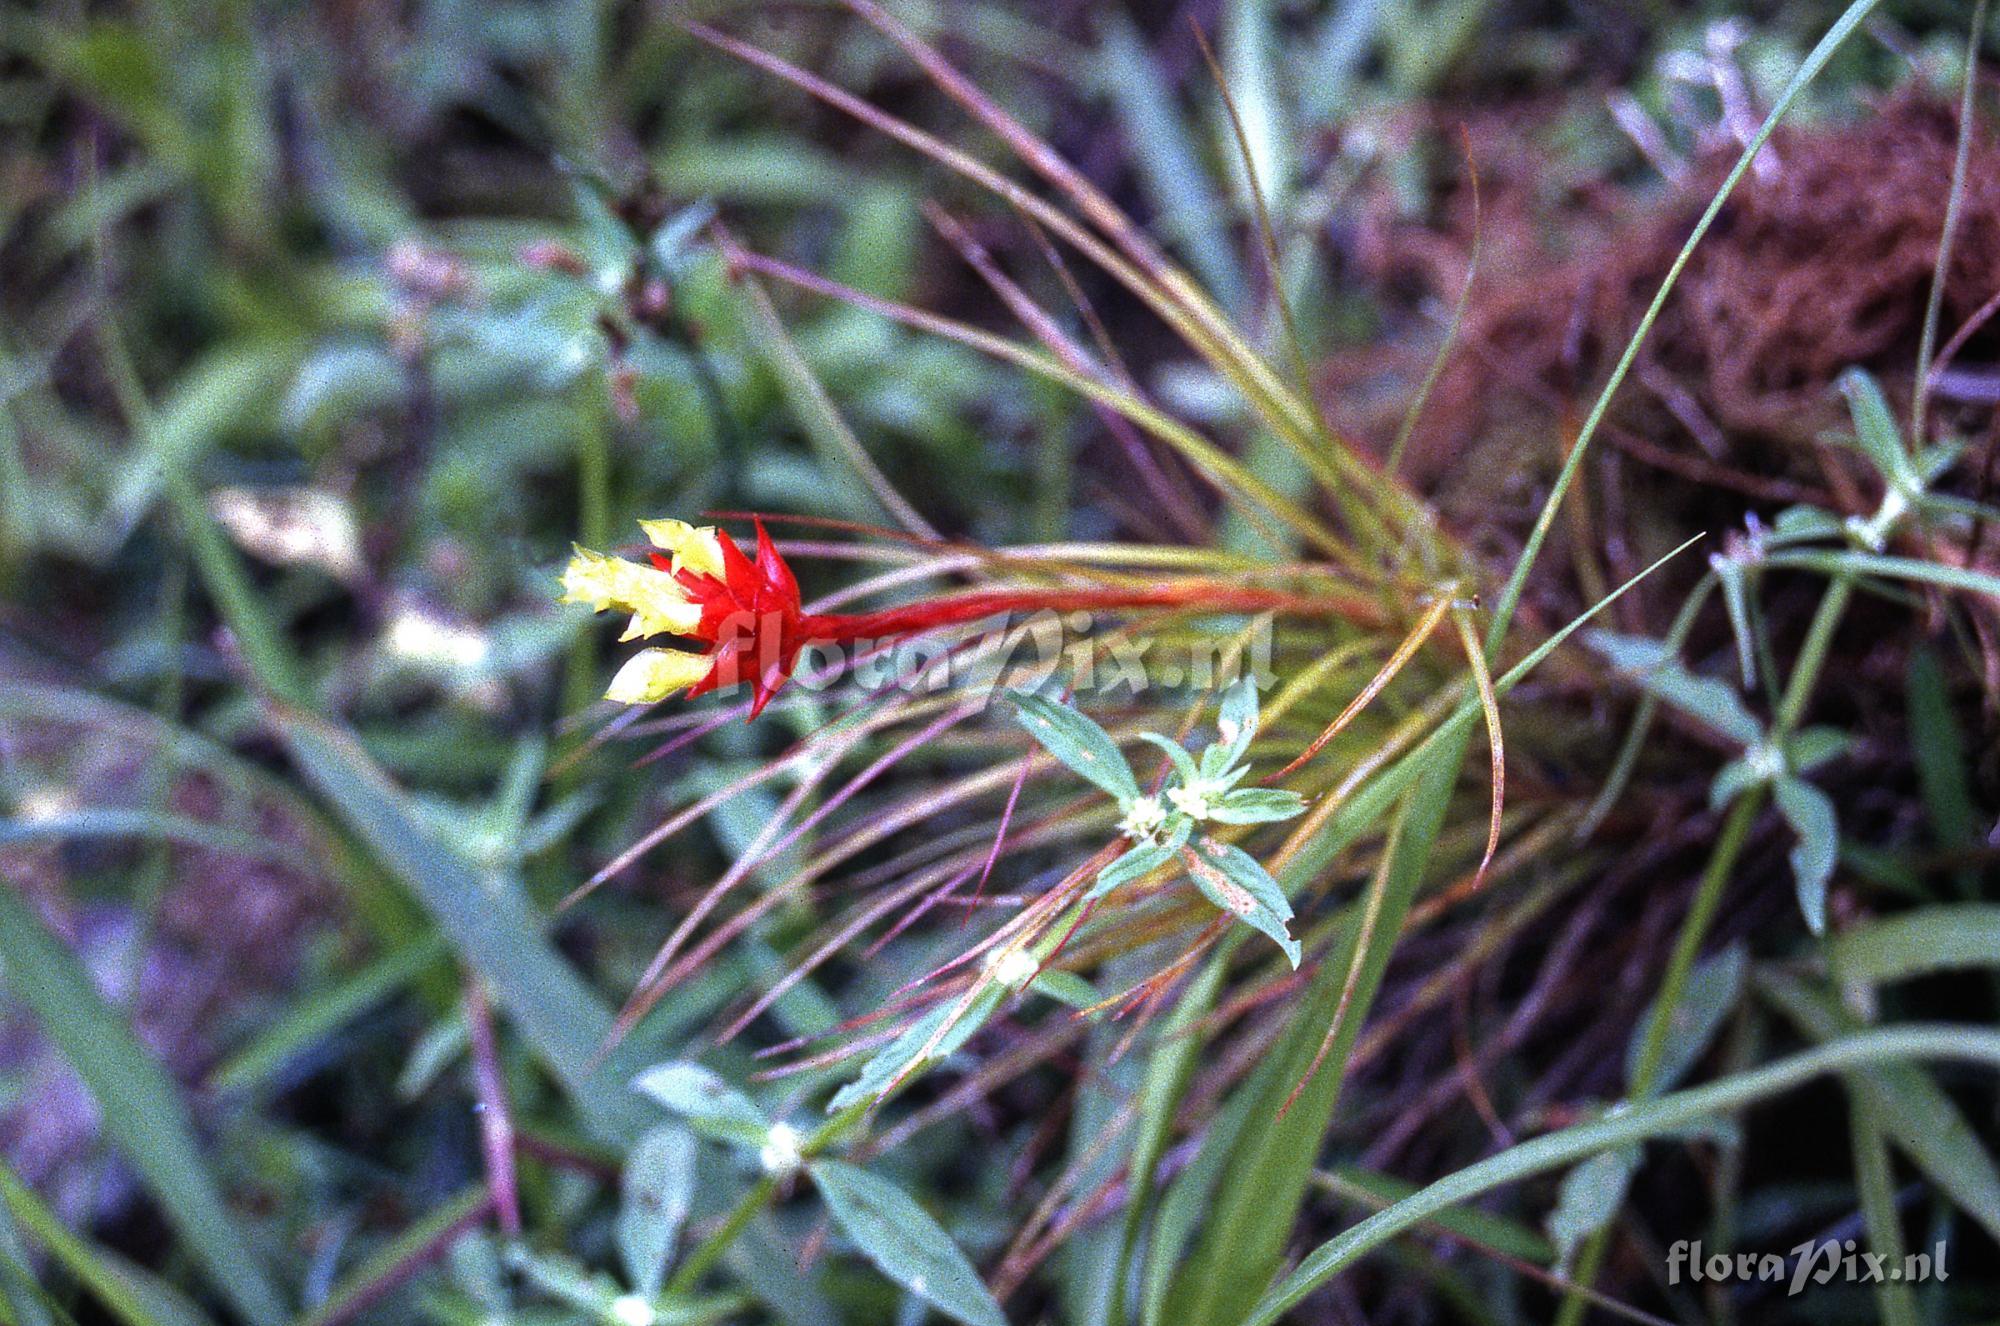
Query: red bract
[[750, 617]]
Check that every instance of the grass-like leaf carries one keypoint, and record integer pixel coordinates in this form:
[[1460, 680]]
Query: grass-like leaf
[[140, 1106], [484, 916], [1642, 1121]]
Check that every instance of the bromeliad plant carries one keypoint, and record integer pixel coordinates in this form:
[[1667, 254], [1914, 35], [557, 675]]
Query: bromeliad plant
[[698, 585], [1325, 540]]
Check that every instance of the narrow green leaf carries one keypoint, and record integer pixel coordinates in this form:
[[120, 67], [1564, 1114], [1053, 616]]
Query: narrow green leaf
[[1915, 569], [709, 1104], [141, 1108], [1066, 987], [891, 1060], [1923, 1122], [1264, 1181], [654, 1198], [1077, 742], [1653, 667], [1731, 781], [1258, 805], [1736, 601], [1875, 429], [904, 1243], [318, 1015], [1811, 747], [1139, 861], [1710, 995], [1917, 943], [1589, 1198], [128, 1293], [1185, 768], [484, 916], [1504, 1235], [1236, 723], [364, 1284], [1645, 1120], [1810, 813]]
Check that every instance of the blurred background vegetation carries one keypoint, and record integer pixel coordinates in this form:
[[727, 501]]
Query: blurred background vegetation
[[324, 330]]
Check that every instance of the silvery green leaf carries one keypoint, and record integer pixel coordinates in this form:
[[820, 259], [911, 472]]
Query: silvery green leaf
[[1654, 668], [1231, 879], [1184, 764], [1713, 989], [1258, 805], [1237, 723], [711, 1106], [1142, 858], [1802, 524], [1078, 742], [1590, 1196], [1875, 429], [656, 1192], [904, 1243], [1810, 814], [898, 1055], [1811, 747], [1730, 575], [1734, 779]]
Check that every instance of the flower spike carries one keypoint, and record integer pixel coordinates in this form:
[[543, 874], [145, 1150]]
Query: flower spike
[[747, 619], [700, 587]]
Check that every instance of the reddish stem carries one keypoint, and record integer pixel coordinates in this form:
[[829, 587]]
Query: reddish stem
[[838, 628]]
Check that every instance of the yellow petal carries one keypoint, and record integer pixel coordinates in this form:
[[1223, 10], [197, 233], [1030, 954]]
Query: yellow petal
[[693, 549], [655, 599], [654, 674]]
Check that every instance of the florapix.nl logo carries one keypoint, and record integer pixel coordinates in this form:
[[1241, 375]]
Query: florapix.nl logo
[[1814, 1262]]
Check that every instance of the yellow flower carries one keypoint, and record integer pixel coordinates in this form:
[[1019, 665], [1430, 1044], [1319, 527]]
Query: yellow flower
[[655, 599], [693, 549], [654, 674]]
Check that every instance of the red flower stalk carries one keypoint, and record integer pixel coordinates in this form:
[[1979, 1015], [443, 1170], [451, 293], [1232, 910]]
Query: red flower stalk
[[748, 616]]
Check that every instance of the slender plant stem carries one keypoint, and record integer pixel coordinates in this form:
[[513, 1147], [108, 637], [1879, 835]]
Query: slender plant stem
[[1715, 877], [1954, 205]]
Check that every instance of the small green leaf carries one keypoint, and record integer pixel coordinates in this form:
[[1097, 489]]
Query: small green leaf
[[1258, 805], [1712, 991], [1590, 1196], [1732, 781], [1139, 861], [654, 1198], [1231, 879], [1804, 524], [1810, 814], [1066, 987], [1811, 747], [1184, 766], [894, 1058], [1077, 742], [711, 1106], [1875, 429], [1236, 726], [904, 1243], [1736, 599], [1654, 668]]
